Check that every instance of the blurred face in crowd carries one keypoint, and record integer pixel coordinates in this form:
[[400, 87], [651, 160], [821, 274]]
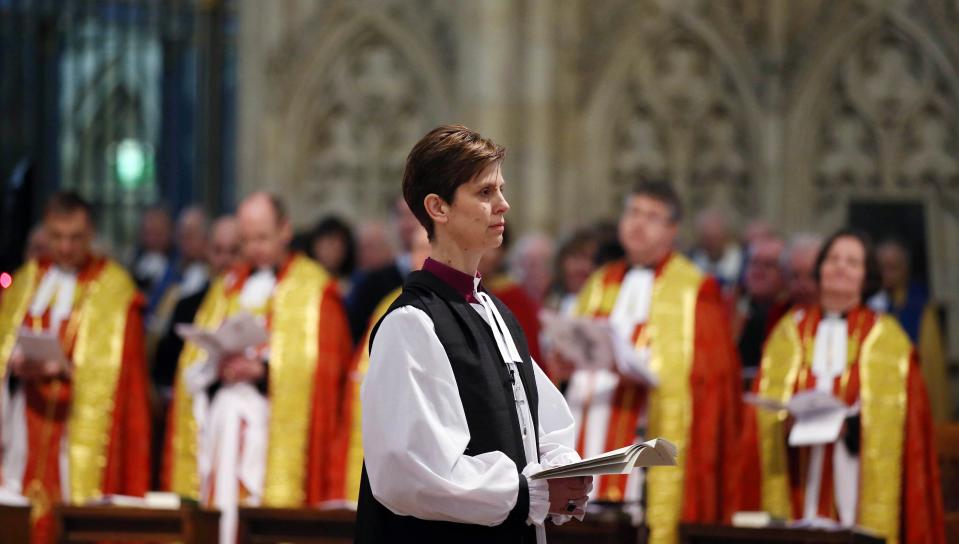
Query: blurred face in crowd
[[712, 233], [534, 263], [330, 250], [764, 276], [156, 231], [420, 250], [646, 230], [406, 223], [843, 271], [576, 267], [373, 249], [893, 266], [191, 235], [224, 248], [264, 235], [756, 230], [476, 217], [802, 277], [69, 236]]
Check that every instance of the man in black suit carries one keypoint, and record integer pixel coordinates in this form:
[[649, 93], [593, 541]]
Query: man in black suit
[[223, 252], [370, 289]]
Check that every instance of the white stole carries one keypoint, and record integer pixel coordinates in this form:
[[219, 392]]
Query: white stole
[[829, 362], [511, 357]]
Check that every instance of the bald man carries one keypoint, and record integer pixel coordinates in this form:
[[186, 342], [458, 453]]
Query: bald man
[[259, 428]]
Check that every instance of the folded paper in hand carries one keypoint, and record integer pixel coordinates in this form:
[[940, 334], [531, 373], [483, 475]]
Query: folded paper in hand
[[593, 344], [652, 453], [818, 415], [40, 347], [234, 335]]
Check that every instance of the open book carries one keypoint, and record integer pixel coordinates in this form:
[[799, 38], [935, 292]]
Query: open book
[[590, 343], [40, 347], [818, 415], [655, 452], [234, 335]]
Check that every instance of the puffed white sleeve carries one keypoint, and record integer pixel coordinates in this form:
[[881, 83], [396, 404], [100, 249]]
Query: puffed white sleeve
[[415, 433]]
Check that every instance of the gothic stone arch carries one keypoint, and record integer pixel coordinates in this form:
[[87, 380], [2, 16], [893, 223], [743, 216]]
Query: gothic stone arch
[[359, 103], [675, 103], [873, 120]]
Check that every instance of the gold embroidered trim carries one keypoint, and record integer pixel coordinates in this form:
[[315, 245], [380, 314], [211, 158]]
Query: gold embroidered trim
[[97, 360], [671, 328]]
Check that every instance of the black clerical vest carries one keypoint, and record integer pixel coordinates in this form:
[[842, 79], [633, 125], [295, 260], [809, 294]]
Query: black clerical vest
[[486, 392]]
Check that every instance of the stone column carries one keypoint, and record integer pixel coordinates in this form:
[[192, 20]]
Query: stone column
[[540, 188]]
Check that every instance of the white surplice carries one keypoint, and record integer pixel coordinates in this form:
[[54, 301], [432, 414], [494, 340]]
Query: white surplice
[[415, 431], [233, 429], [55, 292], [596, 388]]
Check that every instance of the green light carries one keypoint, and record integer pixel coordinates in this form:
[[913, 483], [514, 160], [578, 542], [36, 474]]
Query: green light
[[133, 163]]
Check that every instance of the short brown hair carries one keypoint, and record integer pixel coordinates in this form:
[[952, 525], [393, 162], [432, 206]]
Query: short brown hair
[[447, 157], [661, 191], [67, 203]]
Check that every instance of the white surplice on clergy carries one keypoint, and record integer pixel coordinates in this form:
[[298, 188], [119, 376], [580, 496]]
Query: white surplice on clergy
[[418, 465], [232, 427], [596, 388]]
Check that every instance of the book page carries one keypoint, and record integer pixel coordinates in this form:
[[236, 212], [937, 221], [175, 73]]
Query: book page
[[40, 347], [593, 344], [234, 335], [655, 452], [578, 340], [818, 415], [821, 427]]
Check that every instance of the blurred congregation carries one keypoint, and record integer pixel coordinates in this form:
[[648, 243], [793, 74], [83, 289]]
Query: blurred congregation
[[169, 165]]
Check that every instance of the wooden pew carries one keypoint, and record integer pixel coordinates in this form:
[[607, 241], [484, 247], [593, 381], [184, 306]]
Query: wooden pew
[[188, 524], [297, 525], [947, 443], [603, 525], [15, 523], [309, 526], [690, 533]]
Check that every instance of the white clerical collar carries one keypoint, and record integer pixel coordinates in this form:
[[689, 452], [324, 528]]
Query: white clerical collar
[[258, 288], [57, 287], [829, 351], [152, 265], [194, 278]]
